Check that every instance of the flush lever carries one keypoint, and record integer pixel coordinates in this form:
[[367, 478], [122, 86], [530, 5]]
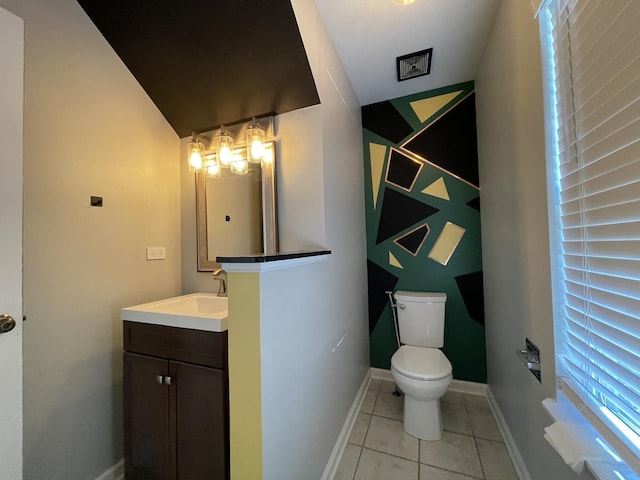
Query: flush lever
[[7, 323], [401, 306]]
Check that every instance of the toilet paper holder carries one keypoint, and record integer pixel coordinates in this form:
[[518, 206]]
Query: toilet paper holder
[[530, 356]]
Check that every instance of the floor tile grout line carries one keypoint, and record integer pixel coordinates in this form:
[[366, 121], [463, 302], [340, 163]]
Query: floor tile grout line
[[474, 434], [355, 471], [475, 442]]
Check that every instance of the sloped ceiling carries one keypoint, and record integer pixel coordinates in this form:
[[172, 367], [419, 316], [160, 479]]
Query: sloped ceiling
[[370, 34], [205, 63]]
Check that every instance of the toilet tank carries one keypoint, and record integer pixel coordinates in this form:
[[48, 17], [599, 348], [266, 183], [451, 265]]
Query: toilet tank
[[421, 318]]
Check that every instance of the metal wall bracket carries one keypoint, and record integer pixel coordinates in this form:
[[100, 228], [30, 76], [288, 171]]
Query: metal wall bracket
[[530, 356]]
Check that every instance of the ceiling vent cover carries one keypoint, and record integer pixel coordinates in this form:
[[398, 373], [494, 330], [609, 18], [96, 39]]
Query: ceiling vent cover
[[414, 64]]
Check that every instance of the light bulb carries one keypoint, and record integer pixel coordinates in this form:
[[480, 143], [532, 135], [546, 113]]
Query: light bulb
[[257, 149], [194, 152], [255, 142], [239, 166], [225, 154], [223, 144], [195, 160], [211, 166]]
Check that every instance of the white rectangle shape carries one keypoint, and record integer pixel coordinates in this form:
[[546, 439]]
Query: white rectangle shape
[[156, 253]]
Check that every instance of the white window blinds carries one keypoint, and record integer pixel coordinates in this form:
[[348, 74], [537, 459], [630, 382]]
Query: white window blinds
[[594, 54]]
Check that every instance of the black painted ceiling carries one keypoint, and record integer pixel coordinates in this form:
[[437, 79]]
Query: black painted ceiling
[[209, 62]]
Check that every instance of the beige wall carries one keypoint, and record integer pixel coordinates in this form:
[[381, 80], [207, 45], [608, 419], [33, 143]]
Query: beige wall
[[89, 130], [515, 235]]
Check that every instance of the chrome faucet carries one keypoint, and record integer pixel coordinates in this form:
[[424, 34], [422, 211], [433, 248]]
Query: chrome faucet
[[221, 276]]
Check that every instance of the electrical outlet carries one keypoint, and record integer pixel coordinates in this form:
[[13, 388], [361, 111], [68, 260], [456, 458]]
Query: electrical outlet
[[156, 253]]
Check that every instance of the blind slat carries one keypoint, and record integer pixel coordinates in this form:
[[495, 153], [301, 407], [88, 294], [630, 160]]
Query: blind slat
[[594, 48]]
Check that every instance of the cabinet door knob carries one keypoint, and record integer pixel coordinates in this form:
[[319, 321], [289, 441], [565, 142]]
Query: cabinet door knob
[[159, 379], [167, 380]]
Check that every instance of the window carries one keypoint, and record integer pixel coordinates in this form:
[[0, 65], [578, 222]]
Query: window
[[593, 52]]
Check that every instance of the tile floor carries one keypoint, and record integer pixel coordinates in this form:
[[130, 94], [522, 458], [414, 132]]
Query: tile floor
[[471, 445]]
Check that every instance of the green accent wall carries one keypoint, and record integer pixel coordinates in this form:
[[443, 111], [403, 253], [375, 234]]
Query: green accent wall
[[447, 146]]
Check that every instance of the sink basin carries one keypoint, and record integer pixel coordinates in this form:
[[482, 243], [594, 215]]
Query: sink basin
[[197, 311]]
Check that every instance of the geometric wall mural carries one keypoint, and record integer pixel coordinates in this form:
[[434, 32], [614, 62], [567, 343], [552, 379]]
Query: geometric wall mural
[[423, 218], [413, 240], [438, 189], [447, 243], [399, 212], [447, 144], [402, 170]]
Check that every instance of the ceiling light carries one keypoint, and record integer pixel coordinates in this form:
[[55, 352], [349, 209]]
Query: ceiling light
[[403, 2]]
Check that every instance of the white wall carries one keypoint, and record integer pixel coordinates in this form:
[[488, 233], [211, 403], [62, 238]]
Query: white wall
[[319, 340], [515, 235], [308, 381], [89, 130], [11, 148]]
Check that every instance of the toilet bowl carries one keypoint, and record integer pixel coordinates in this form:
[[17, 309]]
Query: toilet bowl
[[423, 374]]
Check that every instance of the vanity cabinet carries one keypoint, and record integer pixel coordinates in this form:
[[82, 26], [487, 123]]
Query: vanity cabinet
[[176, 403]]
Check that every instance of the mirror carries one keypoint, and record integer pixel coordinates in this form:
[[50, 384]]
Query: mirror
[[236, 214]]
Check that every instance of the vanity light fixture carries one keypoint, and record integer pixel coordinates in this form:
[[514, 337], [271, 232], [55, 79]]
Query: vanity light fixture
[[403, 2], [255, 142], [224, 155], [194, 153]]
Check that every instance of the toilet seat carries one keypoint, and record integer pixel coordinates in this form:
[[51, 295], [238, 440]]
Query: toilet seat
[[421, 363]]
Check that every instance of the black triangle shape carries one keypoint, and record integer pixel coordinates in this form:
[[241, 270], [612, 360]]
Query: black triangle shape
[[472, 291], [379, 281], [474, 203], [399, 212], [412, 240], [451, 141], [383, 119]]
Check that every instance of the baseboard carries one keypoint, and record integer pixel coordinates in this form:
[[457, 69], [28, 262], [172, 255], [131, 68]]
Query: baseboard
[[462, 386], [114, 473], [470, 388], [512, 448], [381, 374], [345, 433]]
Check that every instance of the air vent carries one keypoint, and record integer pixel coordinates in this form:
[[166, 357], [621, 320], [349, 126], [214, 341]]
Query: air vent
[[414, 64]]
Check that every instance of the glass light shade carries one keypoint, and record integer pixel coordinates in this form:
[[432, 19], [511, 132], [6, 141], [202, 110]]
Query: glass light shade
[[239, 166], [212, 167], [255, 143], [194, 154], [223, 144]]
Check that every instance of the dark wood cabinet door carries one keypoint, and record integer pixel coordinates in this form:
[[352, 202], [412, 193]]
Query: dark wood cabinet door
[[200, 396], [148, 446]]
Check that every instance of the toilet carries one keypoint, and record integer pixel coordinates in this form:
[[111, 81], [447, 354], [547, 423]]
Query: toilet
[[420, 369]]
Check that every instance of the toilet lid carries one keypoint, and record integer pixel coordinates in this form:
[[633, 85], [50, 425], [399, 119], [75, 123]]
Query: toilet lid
[[421, 363]]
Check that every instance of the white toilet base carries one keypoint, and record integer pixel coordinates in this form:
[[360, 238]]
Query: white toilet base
[[422, 418]]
